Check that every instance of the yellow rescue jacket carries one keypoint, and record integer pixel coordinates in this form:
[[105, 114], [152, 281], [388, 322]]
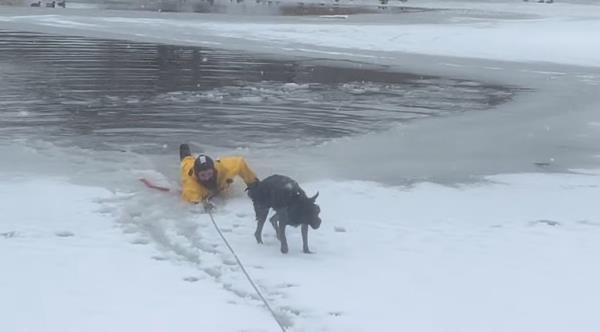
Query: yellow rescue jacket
[[227, 169]]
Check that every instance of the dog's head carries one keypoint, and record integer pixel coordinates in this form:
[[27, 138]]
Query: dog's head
[[306, 211]]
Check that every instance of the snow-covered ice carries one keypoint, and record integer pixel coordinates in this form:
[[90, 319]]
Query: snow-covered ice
[[515, 254], [67, 267], [505, 31]]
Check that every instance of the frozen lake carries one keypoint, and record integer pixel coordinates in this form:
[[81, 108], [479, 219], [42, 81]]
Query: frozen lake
[[99, 93]]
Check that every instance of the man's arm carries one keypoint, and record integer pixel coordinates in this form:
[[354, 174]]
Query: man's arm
[[184, 151], [245, 172], [237, 166]]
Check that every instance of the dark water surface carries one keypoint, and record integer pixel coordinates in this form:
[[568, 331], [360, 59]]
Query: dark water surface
[[105, 93], [262, 7]]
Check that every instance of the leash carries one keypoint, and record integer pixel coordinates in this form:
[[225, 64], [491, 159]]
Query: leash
[[246, 273]]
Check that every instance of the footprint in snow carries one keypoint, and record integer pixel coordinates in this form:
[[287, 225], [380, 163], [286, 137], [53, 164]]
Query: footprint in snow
[[8, 235], [286, 285], [140, 241], [291, 310], [588, 223], [212, 272], [229, 262], [239, 292], [545, 222]]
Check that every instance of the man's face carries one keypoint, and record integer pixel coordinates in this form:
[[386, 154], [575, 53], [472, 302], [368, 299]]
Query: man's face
[[206, 175]]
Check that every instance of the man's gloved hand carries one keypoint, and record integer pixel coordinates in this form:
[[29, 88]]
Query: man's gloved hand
[[208, 206], [252, 189]]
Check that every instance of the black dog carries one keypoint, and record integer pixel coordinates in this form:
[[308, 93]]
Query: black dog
[[292, 207]]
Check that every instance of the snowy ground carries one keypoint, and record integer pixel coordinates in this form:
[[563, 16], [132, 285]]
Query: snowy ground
[[66, 267], [515, 254], [84, 247]]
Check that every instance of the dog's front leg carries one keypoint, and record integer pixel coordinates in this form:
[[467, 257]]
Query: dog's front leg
[[258, 232], [282, 238], [305, 239], [261, 217]]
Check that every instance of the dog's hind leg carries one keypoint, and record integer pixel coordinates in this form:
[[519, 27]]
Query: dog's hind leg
[[261, 217], [274, 221], [283, 220]]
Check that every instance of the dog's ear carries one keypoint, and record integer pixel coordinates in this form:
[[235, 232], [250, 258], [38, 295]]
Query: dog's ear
[[314, 198]]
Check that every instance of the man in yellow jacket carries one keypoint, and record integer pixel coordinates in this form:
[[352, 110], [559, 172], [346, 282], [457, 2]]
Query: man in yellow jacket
[[203, 178]]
